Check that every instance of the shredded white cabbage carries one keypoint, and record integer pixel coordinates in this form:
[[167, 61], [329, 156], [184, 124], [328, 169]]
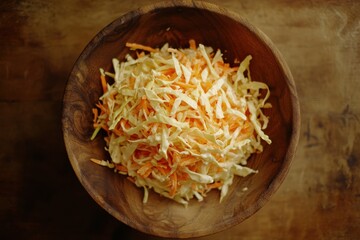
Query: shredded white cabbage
[[181, 121]]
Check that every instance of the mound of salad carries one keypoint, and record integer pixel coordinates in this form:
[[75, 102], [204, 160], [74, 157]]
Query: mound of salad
[[181, 121]]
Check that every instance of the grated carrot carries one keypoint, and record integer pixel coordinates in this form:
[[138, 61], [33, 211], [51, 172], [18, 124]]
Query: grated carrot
[[192, 44], [137, 46], [103, 83], [95, 113]]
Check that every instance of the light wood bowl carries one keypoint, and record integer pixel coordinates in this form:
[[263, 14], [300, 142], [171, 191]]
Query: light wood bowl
[[176, 22]]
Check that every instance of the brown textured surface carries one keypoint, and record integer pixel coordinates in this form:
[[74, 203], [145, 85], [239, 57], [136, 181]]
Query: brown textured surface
[[176, 24], [40, 195]]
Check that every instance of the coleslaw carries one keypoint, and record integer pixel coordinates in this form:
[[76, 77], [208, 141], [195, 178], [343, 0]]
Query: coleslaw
[[181, 121]]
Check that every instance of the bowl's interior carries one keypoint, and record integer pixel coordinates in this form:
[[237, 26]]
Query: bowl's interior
[[176, 24]]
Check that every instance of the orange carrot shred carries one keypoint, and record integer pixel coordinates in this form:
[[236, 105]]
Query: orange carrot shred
[[144, 170], [192, 44], [174, 183], [96, 114], [214, 185], [140, 47], [103, 83], [120, 168]]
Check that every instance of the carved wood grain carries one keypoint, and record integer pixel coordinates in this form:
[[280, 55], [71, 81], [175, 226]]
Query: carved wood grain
[[176, 22]]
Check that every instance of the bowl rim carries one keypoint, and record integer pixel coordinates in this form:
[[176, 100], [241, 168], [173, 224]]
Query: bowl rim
[[279, 177]]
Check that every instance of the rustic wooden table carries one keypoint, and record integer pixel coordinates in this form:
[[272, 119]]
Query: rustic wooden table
[[40, 196]]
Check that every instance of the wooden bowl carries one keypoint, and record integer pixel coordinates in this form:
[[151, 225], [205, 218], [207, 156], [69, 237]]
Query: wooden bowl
[[175, 23]]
